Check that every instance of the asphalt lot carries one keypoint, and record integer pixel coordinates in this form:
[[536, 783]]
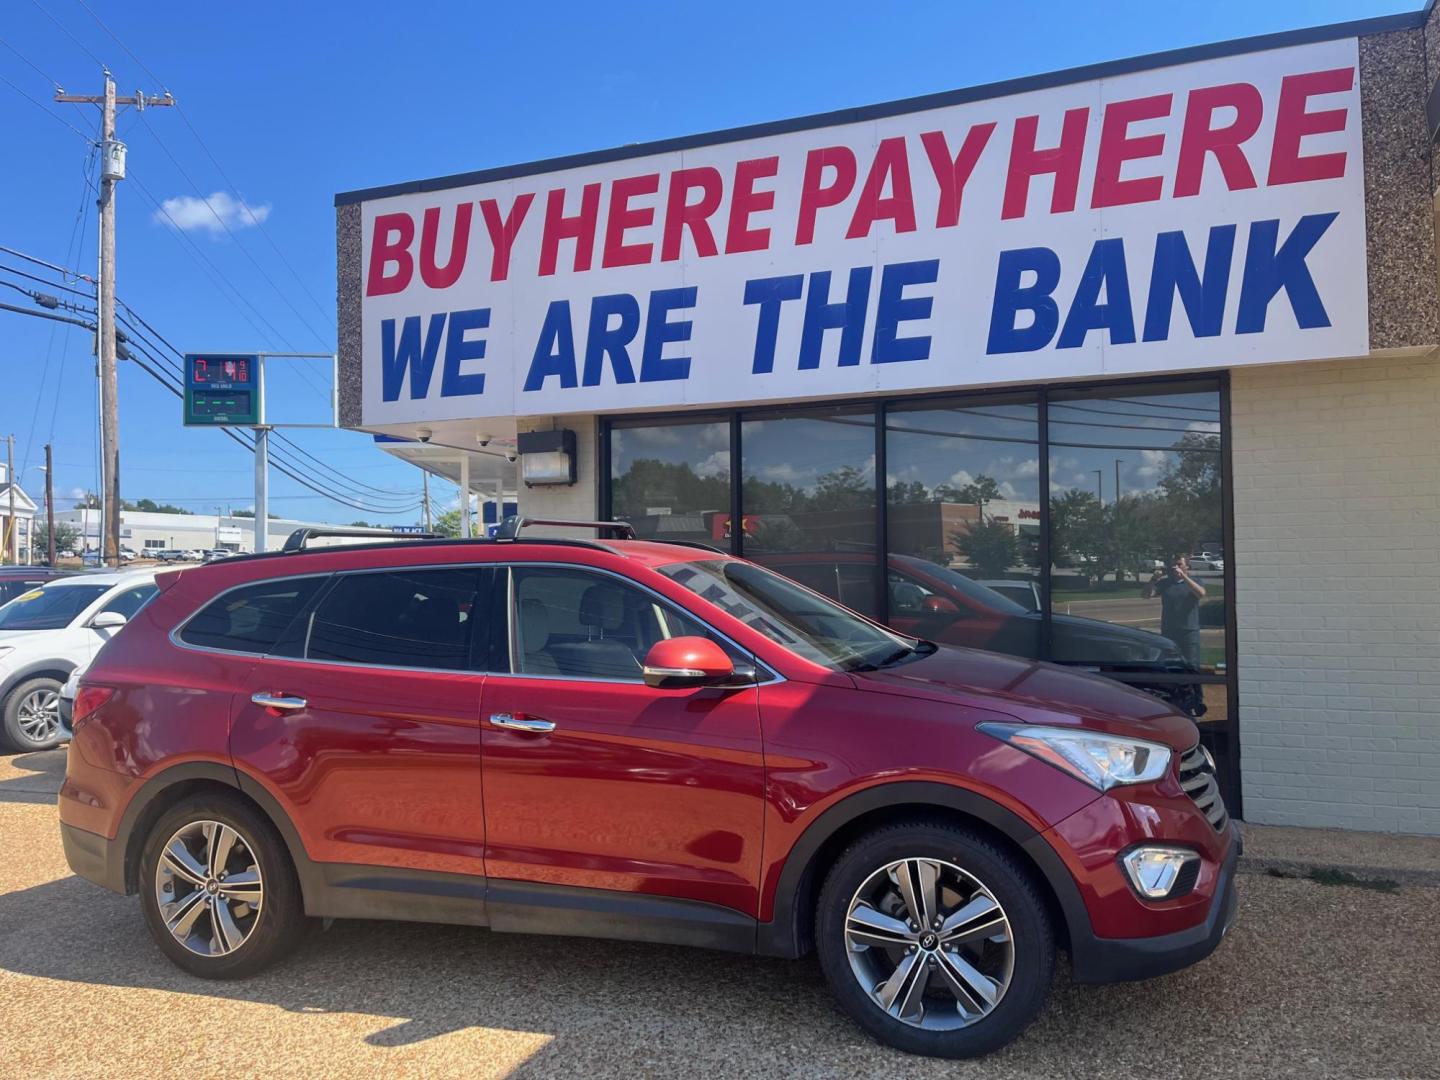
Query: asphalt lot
[[1314, 981]]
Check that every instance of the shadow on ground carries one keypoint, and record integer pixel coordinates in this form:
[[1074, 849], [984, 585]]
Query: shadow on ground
[[33, 777]]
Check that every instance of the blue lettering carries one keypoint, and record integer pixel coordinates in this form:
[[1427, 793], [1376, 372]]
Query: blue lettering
[[894, 308], [1268, 270], [420, 362], [458, 350], [602, 339], [847, 316], [1106, 269], [555, 351], [1174, 271], [770, 293], [1011, 298], [659, 331]]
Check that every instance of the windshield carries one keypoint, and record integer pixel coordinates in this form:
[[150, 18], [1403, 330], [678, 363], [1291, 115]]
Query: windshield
[[981, 594], [49, 608], [790, 615]]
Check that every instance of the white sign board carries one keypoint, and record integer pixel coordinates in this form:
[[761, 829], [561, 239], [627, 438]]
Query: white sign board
[[1204, 215]]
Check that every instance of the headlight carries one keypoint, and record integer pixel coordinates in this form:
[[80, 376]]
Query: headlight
[[1137, 652], [1101, 760]]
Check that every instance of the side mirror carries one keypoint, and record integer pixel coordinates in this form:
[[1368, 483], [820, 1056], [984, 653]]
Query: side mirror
[[108, 620], [681, 662], [941, 606]]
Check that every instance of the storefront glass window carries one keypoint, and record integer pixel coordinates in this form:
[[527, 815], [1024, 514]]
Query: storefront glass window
[[808, 503], [671, 479], [1136, 533], [963, 522]]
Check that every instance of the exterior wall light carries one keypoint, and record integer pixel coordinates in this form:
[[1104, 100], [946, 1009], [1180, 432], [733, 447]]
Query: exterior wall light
[[547, 457]]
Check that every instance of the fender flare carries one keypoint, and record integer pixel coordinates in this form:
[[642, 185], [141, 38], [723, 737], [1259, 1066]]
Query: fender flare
[[784, 936], [32, 669]]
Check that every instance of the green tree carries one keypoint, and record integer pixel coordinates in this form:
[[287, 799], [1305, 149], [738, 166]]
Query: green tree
[[448, 523], [67, 538], [990, 546]]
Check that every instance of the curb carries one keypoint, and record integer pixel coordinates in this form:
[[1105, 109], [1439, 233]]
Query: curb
[[1303, 868]]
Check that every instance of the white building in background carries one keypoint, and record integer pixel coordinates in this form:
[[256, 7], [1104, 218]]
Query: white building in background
[[141, 531], [15, 536]]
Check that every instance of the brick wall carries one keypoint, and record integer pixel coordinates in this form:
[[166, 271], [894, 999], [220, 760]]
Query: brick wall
[[1337, 563], [571, 502]]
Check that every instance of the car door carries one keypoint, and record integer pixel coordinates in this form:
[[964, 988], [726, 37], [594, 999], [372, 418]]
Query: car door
[[616, 786], [364, 723]]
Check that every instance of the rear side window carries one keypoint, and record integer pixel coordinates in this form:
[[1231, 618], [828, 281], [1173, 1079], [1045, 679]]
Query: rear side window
[[250, 619], [398, 618], [131, 601]]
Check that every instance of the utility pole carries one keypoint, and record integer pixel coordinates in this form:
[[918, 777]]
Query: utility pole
[[112, 171], [12, 535], [425, 496], [49, 505]]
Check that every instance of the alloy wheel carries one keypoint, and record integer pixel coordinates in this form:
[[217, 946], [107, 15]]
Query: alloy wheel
[[929, 943], [208, 888], [38, 715]]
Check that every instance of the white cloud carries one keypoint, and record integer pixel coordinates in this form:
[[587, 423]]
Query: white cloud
[[717, 464], [1152, 464], [1028, 467], [960, 479], [783, 473], [192, 214]]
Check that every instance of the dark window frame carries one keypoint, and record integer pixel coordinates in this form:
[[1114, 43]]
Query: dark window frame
[[1214, 732]]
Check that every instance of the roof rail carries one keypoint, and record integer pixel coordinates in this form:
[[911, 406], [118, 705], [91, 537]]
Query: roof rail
[[701, 544], [512, 526], [300, 538]]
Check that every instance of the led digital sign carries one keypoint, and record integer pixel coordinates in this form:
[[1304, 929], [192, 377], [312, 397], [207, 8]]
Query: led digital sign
[[222, 389]]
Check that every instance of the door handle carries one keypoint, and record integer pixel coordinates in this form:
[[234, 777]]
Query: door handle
[[521, 722], [277, 701]]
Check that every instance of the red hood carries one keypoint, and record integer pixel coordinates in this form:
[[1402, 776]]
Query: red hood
[[1034, 692]]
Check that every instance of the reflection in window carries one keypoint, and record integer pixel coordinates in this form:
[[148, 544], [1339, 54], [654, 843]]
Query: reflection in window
[[398, 618], [1136, 535], [808, 501], [964, 522], [672, 480]]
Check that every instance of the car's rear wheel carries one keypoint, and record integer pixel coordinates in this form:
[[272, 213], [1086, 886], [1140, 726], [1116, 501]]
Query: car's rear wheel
[[32, 715], [934, 939], [218, 889]]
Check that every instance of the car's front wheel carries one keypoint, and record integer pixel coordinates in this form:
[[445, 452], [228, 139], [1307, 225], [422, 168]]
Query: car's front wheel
[[218, 889], [934, 939], [32, 715]]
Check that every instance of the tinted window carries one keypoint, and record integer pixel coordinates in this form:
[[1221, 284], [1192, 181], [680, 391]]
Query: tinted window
[[399, 618], [250, 619], [587, 625], [130, 601], [49, 608], [672, 480], [11, 589]]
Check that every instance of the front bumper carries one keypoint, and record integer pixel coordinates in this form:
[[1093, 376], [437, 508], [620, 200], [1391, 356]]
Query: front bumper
[[94, 857], [1100, 960]]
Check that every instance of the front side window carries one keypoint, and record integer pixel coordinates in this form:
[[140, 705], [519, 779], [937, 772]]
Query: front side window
[[49, 608], [398, 618], [580, 624], [250, 619], [807, 624]]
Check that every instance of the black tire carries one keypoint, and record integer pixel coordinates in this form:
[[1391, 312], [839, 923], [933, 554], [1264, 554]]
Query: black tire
[[16, 736], [273, 932], [1008, 881]]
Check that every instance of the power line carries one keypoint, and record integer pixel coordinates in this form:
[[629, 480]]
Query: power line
[[46, 109], [62, 28], [33, 67], [154, 78]]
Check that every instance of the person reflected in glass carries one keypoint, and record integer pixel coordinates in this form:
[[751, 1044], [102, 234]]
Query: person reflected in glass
[[1180, 596]]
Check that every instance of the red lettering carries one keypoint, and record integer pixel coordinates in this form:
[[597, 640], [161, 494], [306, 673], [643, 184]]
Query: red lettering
[[815, 194], [443, 277], [1062, 161], [1293, 123], [580, 228], [503, 233], [745, 201], [891, 166], [1198, 138], [953, 173], [680, 214], [390, 243], [623, 217], [1117, 146]]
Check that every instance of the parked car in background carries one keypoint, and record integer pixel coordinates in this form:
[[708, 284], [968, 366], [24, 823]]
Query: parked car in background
[[1024, 592], [216, 554], [15, 580], [48, 632], [645, 741], [1206, 560]]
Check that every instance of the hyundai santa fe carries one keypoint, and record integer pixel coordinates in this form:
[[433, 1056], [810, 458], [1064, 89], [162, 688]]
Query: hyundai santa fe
[[637, 740]]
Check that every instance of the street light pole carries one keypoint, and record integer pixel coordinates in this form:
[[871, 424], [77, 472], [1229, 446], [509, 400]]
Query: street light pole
[[1100, 485]]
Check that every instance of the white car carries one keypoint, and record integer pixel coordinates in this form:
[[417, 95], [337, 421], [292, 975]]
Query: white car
[[47, 633]]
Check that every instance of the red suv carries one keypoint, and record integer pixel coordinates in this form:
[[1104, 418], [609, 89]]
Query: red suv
[[649, 741]]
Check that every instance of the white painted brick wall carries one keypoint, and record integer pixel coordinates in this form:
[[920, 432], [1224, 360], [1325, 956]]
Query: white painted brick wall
[[1337, 565]]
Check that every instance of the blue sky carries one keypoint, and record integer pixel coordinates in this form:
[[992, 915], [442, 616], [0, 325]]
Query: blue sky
[[298, 101]]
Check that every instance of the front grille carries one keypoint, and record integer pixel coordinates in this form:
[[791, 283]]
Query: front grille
[[1197, 778]]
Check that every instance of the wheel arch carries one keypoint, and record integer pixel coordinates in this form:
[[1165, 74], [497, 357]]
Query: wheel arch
[[59, 670], [790, 933]]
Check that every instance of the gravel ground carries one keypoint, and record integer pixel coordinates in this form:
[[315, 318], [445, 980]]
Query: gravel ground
[[1314, 981]]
